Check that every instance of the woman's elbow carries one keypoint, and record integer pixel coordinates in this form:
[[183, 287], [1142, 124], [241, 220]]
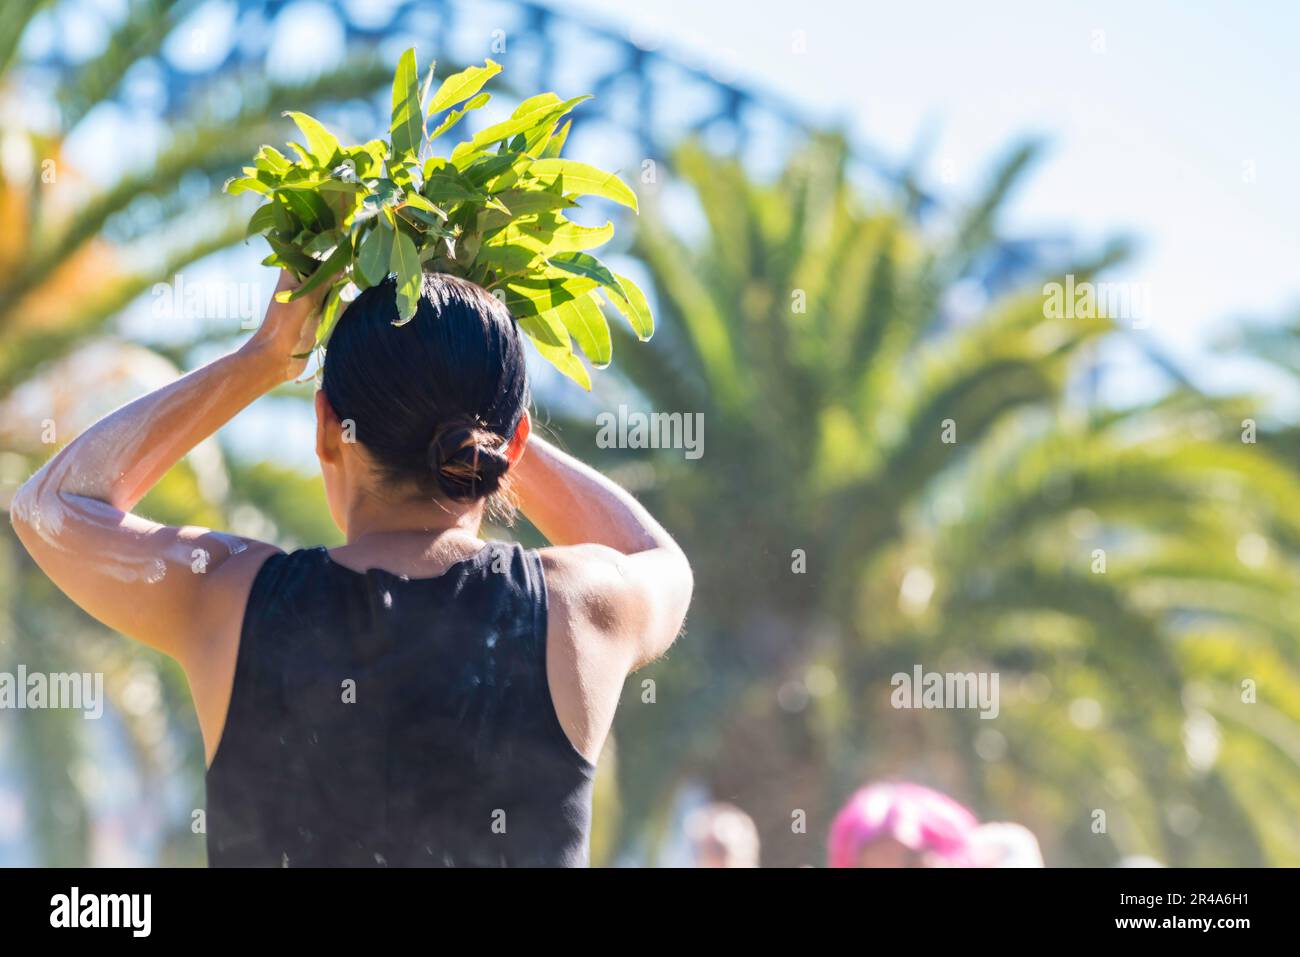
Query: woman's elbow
[[22, 509], [683, 588], [34, 514], [688, 582]]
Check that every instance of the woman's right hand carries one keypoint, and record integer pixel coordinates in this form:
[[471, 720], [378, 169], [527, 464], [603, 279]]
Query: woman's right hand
[[288, 331]]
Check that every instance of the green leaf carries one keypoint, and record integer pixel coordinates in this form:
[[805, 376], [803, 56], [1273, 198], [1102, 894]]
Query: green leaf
[[375, 255], [290, 257], [262, 220], [516, 204], [243, 184], [582, 264], [516, 125], [419, 202], [433, 225], [340, 186], [322, 146], [468, 247], [532, 141], [534, 103], [588, 326], [527, 202], [509, 176], [582, 180], [407, 126], [405, 263], [323, 244], [546, 329], [331, 309], [508, 259], [532, 297], [461, 86], [403, 175], [484, 167], [535, 140], [450, 187], [271, 160], [286, 223], [542, 331], [556, 143], [330, 268], [310, 208], [369, 159], [454, 117], [304, 160], [631, 302], [550, 239]]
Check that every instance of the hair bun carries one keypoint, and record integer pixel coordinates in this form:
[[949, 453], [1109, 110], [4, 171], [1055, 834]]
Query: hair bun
[[468, 461]]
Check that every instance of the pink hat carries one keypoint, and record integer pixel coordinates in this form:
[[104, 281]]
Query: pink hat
[[916, 817]]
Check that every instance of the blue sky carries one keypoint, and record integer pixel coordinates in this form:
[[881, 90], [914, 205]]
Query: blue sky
[[1175, 123]]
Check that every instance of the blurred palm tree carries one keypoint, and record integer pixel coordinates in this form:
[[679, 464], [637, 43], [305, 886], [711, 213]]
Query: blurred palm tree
[[76, 251], [1278, 345], [891, 481], [61, 275]]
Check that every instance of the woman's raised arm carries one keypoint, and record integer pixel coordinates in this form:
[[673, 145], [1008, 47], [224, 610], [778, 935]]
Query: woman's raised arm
[[616, 566], [150, 581]]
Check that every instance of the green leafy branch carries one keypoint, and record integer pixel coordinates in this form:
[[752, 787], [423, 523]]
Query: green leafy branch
[[492, 212]]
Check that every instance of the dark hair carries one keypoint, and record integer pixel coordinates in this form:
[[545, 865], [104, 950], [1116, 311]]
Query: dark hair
[[434, 400]]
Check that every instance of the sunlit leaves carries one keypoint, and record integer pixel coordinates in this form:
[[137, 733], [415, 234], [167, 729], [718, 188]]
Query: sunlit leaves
[[492, 211], [243, 184], [375, 254], [631, 302], [552, 342], [556, 143], [545, 116], [407, 128], [405, 264], [579, 179], [461, 86], [454, 116], [271, 160], [586, 323], [581, 264], [532, 297], [322, 146], [331, 267], [551, 235]]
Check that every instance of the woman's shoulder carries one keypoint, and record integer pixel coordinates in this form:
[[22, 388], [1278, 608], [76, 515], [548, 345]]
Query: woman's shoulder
[[611, 597], [587, 584], [272, 563], [259, 570]]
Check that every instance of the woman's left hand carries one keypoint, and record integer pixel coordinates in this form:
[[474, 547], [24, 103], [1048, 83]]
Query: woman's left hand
[[288, 331]]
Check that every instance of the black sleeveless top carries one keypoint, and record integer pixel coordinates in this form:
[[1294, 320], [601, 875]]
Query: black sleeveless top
[[382, 720]]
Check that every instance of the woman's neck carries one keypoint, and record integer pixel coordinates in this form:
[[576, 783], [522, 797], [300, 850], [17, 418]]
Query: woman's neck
[[370, 517]]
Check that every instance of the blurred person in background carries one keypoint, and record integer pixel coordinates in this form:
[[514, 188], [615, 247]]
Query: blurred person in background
[[722, 835], [898, 824], [1002, 844]]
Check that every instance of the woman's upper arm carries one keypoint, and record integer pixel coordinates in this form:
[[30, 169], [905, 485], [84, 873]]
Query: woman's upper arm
[[608, 614], [163, 585], [635, 602]]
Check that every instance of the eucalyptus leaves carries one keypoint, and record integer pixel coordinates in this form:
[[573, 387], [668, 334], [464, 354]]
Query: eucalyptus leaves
[[492, 212]]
